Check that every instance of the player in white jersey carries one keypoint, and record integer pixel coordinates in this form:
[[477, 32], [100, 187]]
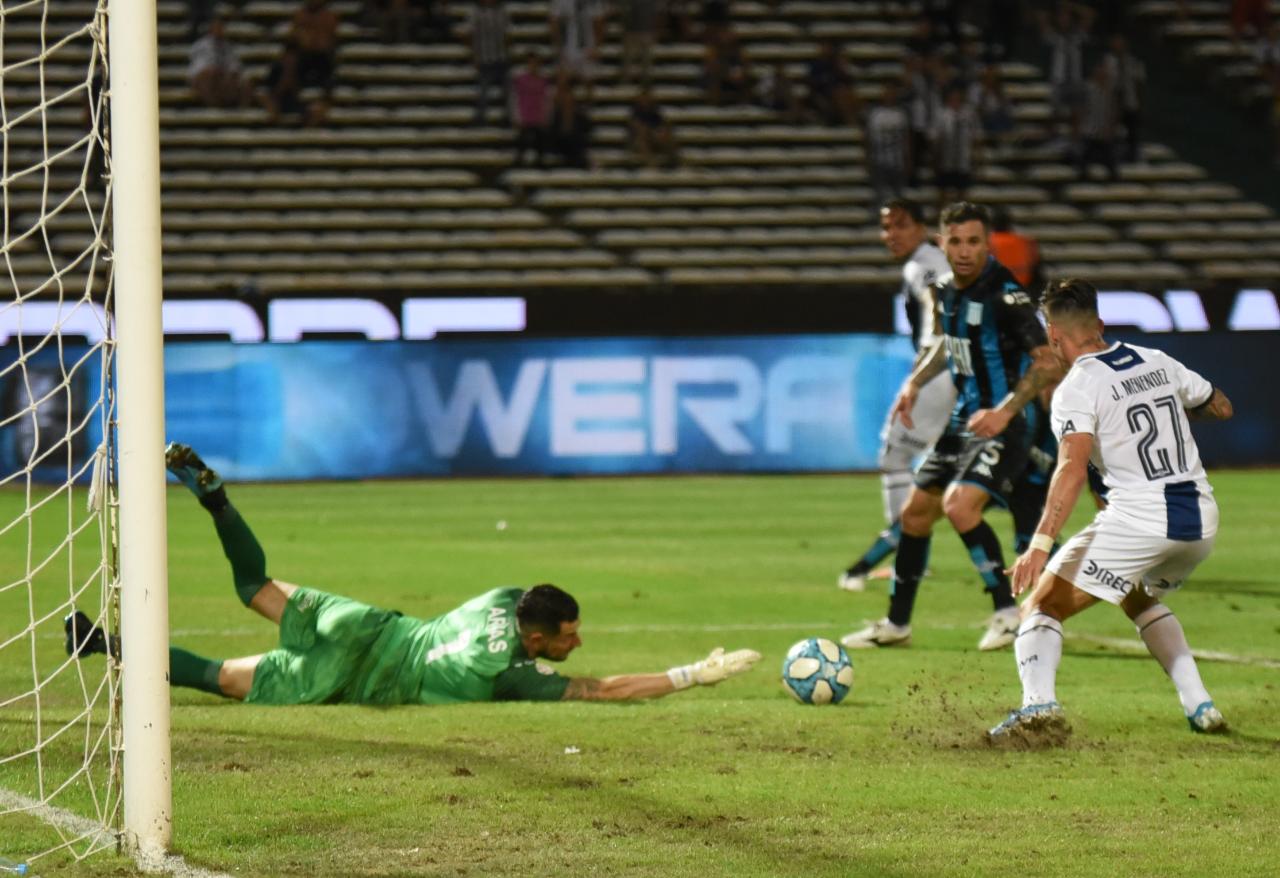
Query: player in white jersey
[[906, 237], [1125, 409]]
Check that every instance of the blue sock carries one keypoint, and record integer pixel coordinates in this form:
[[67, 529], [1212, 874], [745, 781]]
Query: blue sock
[[984, 551], [885, 545]]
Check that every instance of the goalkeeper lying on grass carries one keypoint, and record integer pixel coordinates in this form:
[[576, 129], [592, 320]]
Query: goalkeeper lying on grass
[[336, 650]]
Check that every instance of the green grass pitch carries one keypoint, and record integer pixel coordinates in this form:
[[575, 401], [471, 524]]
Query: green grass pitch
[[732, 780]]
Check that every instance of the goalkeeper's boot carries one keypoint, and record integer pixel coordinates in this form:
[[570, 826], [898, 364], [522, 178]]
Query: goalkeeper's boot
[[1207, 720], [1037, 719], [85, 638], [882, 633], [205, 483]]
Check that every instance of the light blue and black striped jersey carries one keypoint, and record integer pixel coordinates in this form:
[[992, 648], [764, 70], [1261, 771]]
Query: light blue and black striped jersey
[[989, 328]]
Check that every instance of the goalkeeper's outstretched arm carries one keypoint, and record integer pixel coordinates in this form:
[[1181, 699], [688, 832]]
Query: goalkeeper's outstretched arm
[[630, 687]]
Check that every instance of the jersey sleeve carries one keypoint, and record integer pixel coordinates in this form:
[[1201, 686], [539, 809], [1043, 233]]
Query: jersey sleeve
[[1193, 389], [529, 681], [1018, 318], [1073, 408]]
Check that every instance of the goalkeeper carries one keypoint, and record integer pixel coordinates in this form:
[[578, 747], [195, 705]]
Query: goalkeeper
[[336, 650]]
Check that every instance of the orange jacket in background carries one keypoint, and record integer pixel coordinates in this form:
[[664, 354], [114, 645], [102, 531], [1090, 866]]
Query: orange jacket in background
[[1018, 253]]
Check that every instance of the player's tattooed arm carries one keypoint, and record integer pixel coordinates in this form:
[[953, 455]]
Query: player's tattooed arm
[[1216, 408], [1044, 372]]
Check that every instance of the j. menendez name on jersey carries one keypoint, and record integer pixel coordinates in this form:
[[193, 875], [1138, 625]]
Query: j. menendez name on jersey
[[1133, 400]]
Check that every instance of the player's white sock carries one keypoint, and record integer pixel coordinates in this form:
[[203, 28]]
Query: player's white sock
[[1162, 633], [895, 485], [1038, 651]]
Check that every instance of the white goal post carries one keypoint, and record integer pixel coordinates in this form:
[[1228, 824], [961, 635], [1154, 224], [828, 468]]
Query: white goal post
[[144, 593], [85, 759]]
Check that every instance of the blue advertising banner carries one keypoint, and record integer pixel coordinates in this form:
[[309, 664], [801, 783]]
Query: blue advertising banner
[[343, 410], [360, 410]]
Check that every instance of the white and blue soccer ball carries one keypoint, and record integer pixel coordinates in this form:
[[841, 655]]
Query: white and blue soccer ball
[[817, 671]]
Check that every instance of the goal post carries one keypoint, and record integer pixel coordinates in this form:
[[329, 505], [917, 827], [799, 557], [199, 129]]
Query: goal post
[[144, 600]]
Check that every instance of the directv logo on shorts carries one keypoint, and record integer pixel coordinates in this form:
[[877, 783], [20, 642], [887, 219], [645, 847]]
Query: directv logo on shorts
[[1107, 578]]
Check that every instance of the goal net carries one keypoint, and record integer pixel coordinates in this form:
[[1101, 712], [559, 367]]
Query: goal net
[[60, 734]]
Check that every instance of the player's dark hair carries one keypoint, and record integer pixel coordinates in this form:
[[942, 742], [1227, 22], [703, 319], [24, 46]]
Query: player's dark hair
[[963, 212], [545, 608], [911, 208], [1001, 219], [1070, 298]]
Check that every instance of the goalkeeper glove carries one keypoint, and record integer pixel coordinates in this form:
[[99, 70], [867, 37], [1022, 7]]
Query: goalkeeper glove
[[714, 668]]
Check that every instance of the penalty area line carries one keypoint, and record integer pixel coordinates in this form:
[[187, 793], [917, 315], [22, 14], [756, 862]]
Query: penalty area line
[[83, 827], [1123, 644]]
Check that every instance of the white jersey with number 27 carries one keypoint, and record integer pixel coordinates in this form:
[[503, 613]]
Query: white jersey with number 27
[[1133, 401]]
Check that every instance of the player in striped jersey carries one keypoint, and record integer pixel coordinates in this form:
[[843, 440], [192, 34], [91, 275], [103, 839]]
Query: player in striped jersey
[[994, 347], [905, 236], [1125, 409]]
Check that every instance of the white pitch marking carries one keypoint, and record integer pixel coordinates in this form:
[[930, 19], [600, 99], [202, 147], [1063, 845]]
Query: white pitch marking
[[83, 827]]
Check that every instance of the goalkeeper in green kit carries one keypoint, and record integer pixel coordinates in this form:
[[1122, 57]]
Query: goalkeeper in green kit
[[336, 650]]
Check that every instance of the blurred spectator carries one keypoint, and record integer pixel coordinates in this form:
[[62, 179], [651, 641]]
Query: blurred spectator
[[1015, 251], [955, 139], [926, 81], [677, 21], [1249, 18], [777, 91], [994, 108], [201, 12], [532, 106], [282, 90], [922, 42], [725, 67], [715, 18], [394, 20], [1066, 35], [314, 32], [1128, 75], [651, 135], [640, 19], [831, 95], [1099, 119], [577, 31], [215, 72], [945, 17], [490, 34], [1267, 53], [1004, 24], [888, 146], [570, 127]]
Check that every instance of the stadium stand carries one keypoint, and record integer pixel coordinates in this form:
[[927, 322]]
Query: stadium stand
[[399, 192]]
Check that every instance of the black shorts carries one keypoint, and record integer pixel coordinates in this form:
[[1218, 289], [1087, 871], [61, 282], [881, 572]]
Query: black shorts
[[994, 465]]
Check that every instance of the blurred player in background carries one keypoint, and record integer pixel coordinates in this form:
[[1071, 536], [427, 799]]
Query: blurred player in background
[[336, 650], [995, 349], [905, 235], [1125, 409]]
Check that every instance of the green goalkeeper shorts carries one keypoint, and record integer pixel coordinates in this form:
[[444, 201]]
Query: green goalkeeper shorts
[[324, 641]]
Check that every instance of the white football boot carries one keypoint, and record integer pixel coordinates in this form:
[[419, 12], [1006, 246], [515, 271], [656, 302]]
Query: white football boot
[[881, 633], [1002, 629]]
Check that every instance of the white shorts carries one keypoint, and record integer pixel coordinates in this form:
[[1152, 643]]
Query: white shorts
[[900, 445], [1108, 561]]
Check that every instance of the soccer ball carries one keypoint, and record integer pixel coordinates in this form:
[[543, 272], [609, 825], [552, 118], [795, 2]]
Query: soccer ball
[[817, 671]]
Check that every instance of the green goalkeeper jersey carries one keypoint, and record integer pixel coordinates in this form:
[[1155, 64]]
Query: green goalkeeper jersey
[[333, 649]]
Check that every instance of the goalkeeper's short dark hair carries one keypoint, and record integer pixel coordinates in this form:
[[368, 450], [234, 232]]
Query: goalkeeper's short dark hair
[[1070, 298], [546, 608]]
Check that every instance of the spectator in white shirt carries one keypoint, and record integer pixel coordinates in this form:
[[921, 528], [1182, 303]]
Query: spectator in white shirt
[[215, 73]]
